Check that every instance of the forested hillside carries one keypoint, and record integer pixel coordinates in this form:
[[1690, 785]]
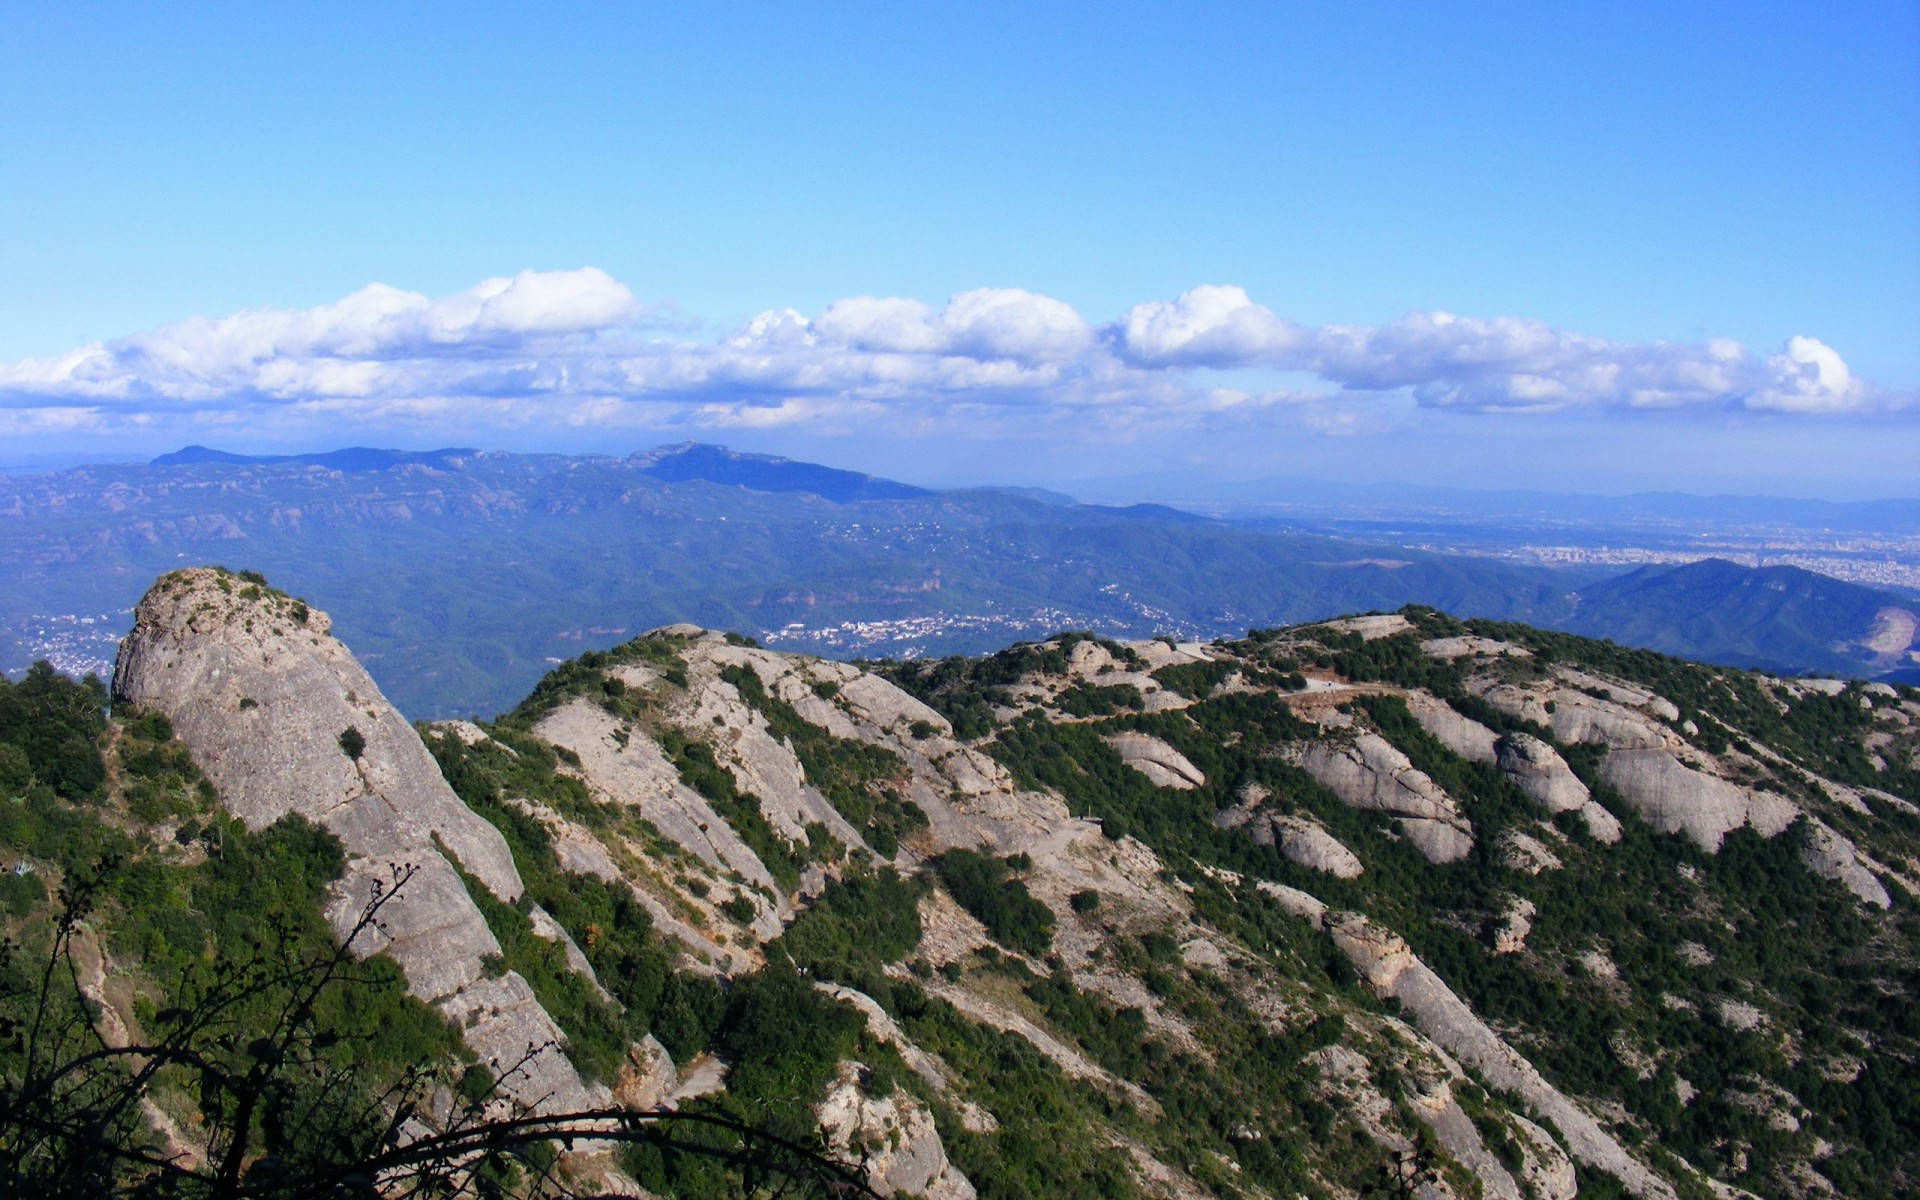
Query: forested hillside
[[1379, 906]]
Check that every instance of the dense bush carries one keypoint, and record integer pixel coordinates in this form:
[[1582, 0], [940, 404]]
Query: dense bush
[[159, 781], [986, 887], [1099, 700], [55, 724], [856, 926], [1197, 679]]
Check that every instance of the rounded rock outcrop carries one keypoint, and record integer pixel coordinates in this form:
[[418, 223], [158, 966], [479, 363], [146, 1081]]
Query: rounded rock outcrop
[[284, 721]]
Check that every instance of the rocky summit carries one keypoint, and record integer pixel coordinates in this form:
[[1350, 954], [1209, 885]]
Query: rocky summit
[[1389, 905]]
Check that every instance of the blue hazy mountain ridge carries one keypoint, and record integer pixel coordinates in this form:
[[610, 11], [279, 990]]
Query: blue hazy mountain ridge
[[768, 473], [461, 583], [1774, 618], [1043, 495], [353, 458], [461, 576], [1263, 497]]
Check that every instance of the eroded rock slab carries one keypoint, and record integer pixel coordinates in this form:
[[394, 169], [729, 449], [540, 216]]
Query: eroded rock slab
[[265, 697], [1159, 762], [904, 1154], [1392, 969], [1369, 772]]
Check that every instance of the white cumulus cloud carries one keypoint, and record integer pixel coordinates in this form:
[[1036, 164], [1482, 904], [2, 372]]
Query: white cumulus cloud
[[569, 348], [1808, 376], [1213, 325], [986, 323]]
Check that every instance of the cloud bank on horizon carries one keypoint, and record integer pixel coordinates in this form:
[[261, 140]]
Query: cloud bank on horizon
[[577, 348]]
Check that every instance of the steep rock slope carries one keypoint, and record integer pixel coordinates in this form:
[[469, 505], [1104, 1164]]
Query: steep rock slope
[[1637, 825], [1312, 912], [283, 720]]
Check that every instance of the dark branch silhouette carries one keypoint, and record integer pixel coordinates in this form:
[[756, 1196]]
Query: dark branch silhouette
[[276, 1118]]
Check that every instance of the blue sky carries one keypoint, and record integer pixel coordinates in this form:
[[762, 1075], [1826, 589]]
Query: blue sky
[[1192, 239]]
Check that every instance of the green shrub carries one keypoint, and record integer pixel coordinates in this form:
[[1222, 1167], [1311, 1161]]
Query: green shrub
[[856, 926], [985, 886], [56, 724]]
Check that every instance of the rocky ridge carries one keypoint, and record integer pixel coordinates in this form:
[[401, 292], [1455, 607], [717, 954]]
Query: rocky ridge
[[284, 720], [1426, 776]]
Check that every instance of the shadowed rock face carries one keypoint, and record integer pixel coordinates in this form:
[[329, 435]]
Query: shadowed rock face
[[262, 694]]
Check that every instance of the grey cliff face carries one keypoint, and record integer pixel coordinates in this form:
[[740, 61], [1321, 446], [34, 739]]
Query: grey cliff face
[[260, 691]]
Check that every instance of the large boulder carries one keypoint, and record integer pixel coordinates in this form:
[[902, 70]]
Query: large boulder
[[1832, 855], [1464, 736], [1309, 844], [1541, 773], [1653, 769], [1677, 798]]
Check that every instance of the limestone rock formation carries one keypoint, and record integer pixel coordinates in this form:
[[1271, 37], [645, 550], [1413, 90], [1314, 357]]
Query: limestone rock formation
[[1524, 852], [1676, 798], [265, 698], [1545, 1167], [1302, 839], [1510, 935], [1370, 773], [1540, 772], [1834, 856], [1646, 763], [1378, 625], [1145, 931], [1465, 737], [896, 1136], [649, 1076], [1159, 762], [1469, 646], [1309, 844], [1391, 969]]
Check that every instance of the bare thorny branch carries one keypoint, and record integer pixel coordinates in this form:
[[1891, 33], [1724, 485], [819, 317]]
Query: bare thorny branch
[[73, 1122]]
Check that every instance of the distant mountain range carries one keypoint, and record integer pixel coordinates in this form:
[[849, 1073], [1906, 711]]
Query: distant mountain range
[[690, 461], [463, 574], [1325, 497], [1773, 618], [353, 458]]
